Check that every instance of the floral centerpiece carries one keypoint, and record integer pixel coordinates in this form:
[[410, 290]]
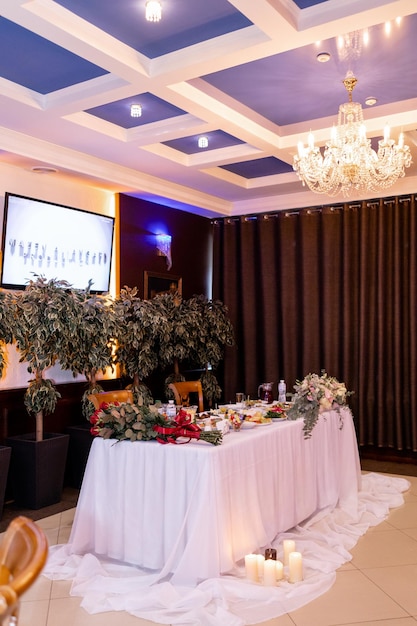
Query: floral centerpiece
[[131, 422], [314, 395]]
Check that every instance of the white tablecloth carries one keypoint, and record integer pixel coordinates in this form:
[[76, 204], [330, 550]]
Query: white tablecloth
[[195, 510], [218, 503]]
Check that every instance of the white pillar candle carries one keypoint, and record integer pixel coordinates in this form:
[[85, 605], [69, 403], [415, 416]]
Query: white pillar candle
[[279, 567], [296, 567], [251, 567], [270, 572], [289, 546], [261, 561]]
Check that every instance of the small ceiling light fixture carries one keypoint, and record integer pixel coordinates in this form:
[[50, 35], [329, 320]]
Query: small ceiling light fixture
[[153, 10], [323, 57], [348, 161], [135, 110], [370, 101], [203, 142]]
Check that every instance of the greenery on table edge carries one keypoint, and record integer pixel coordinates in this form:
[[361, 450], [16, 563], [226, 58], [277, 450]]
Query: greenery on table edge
[[130, 422], [314, 395]]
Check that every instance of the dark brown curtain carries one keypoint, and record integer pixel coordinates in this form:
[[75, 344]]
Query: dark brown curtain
[[330, 288]]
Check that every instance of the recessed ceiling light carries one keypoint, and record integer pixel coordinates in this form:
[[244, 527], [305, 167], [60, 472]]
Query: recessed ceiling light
[[41, 169], [370, 101], [136, 110], [203, 142], [323, 57]]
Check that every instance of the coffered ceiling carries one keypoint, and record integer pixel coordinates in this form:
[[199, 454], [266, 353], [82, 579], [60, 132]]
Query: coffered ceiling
[[243, 73]]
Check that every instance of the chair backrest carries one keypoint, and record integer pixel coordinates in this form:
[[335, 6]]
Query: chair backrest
[[121, 395], [23, 553], [182, 392]]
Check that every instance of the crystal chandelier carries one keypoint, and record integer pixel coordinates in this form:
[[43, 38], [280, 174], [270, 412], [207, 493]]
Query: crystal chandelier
[[153, 10], [348, 160]]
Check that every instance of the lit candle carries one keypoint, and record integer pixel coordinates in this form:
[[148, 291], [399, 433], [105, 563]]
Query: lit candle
[[260, 561], [386, 133], [401, 140], [311, 140], [251, 567], [296, 567], [279, 570], [300, 149], [270, 573], [289, 546]]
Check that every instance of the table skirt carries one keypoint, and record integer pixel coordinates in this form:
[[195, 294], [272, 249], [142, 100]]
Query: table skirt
[[191, 512]]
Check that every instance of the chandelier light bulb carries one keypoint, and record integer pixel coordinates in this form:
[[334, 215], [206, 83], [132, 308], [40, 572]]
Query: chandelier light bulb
[[153, 10], [135, 110], [348, 162]]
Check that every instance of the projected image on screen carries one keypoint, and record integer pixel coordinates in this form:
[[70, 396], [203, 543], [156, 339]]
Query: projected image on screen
[[57, 242]]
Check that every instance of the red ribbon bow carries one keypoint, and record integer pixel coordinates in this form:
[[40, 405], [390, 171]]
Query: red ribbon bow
[[184, 428]]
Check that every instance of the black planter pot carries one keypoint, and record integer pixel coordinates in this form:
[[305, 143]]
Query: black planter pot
[[5, 453], [37, 469], [78, 451]]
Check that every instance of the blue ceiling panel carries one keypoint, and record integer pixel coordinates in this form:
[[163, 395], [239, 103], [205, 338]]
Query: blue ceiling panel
[[38, 64], [292, 87], [268, 166], [153, 110], [304, 4], [216, 139], [183, 24]]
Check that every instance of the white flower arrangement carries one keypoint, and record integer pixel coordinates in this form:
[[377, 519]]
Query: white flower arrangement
[[314, 395]]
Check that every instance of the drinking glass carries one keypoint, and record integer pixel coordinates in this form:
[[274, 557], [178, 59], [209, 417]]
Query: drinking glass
[[240, 399]]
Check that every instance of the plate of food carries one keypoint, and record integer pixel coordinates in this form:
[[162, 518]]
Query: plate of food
[[259, 420]]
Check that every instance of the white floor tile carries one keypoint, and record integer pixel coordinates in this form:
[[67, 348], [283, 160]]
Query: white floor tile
[[353, 598], [391, 547], [377, 588]]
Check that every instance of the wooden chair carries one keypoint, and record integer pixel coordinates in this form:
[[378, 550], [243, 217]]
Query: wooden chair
[[23, 553], [121, 395], [182, 392]]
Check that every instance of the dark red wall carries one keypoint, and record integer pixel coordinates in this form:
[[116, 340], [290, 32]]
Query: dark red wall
[[191, 247]]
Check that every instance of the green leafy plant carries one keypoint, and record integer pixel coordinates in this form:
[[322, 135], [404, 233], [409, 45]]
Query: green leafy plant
[[196, 331], [91, 348], [137, 328], [127, 421], [6, 335], [215, 333], [43, 320]]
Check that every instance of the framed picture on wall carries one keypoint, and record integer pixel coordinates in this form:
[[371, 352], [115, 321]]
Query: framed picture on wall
[[154, 284]]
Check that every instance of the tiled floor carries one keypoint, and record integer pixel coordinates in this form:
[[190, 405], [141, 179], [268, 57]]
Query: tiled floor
[[378, 587]]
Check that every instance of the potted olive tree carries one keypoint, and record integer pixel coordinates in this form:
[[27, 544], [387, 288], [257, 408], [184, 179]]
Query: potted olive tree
[[90, 351], [92, 346], [195, 331], [5, 338], [42, 321], [215, 333], [180, 324], [137, 330]]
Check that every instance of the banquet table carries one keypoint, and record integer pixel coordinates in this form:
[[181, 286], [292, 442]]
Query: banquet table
[[191, 512]]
